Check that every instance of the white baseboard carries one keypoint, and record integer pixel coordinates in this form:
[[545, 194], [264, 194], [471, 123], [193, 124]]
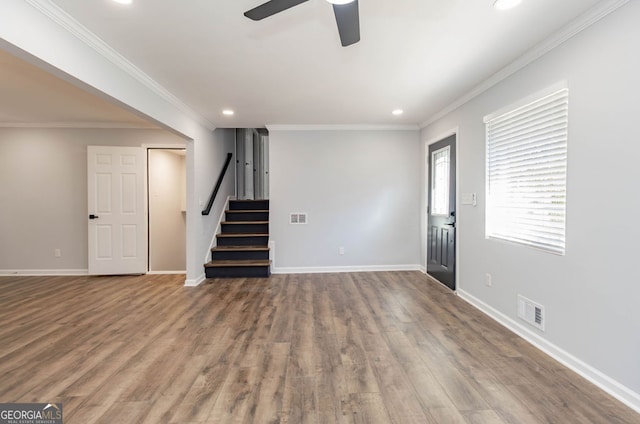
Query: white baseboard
[[272, 255], [195, 282], [43, 272], [423, 269], [606, 383], [340, 269]]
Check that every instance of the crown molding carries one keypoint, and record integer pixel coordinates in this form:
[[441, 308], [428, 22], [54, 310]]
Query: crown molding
[[342, 127], [82, 33], [576, 26], [80, 125]]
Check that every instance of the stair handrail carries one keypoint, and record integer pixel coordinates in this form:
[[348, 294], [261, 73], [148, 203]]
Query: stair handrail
[[207, 210]]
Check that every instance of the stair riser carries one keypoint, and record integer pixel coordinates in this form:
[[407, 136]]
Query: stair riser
[[238, 272], [251, 205], [243, 241], [245, 228], [247, 216], [241, 255]]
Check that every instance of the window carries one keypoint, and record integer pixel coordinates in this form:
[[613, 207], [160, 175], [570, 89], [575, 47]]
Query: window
[[526, 172], [440, 182]]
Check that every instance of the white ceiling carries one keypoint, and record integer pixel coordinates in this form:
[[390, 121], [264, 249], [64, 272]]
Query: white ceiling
[[417, 55]]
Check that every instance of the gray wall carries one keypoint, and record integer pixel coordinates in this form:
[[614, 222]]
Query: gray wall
[[360, 189], [591, 294], [43, 193]]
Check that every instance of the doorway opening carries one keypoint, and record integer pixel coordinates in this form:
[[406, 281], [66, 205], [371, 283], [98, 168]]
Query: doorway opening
[[252, 163], [167, 221]]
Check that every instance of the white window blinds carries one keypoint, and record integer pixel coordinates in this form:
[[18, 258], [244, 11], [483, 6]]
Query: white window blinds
[[526, 173]]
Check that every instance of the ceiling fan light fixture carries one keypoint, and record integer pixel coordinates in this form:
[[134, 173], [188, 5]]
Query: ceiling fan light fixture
[[340, 1], [505, 4], [346, 13]]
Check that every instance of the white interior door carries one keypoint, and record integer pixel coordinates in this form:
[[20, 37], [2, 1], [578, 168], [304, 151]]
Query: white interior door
[[117, 232]]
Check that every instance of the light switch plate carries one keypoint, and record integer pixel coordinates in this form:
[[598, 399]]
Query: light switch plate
[[469, 199]]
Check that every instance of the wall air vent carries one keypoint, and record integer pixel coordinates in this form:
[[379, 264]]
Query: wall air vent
[[531, 312], [298, 218]]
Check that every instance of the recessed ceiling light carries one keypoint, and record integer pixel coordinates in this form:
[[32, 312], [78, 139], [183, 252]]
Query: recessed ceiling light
[[398, 112], [228, 112], [340, 1], [123, 1], [505, 4]]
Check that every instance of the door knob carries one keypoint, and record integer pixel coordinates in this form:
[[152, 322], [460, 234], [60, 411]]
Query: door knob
[[92, 216]]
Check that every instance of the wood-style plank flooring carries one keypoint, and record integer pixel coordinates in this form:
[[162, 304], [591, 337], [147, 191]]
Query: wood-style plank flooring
[[389, 347]]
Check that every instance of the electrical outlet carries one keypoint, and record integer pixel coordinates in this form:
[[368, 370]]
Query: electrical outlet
[[487, 280], [341, 250], [57, 253]]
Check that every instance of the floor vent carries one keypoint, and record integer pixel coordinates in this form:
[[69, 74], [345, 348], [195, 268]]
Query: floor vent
[[531, 312], [298, 218]]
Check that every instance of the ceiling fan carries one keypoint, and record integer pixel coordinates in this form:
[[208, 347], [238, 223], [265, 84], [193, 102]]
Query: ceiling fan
[[346, 12]]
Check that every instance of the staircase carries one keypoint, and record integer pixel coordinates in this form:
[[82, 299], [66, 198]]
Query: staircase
[[242, 245]]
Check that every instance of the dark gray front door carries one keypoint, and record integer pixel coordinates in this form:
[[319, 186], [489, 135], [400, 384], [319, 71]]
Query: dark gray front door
[[441, 239]]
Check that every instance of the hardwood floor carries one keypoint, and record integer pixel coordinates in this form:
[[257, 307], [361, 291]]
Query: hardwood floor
[[389, 347]]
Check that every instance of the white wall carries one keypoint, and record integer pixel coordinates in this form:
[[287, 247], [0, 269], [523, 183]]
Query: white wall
[[208, 161], [360, 190], [592, 293], [167, 219], [43, 193]]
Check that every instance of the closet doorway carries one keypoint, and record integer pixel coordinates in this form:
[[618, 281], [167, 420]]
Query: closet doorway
[[166, 194]]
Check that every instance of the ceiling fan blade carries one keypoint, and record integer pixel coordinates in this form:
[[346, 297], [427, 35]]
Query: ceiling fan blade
[[271, 8], [348, 21]]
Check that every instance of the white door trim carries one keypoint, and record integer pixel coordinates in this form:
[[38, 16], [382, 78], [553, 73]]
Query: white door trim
[[427, 142]]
